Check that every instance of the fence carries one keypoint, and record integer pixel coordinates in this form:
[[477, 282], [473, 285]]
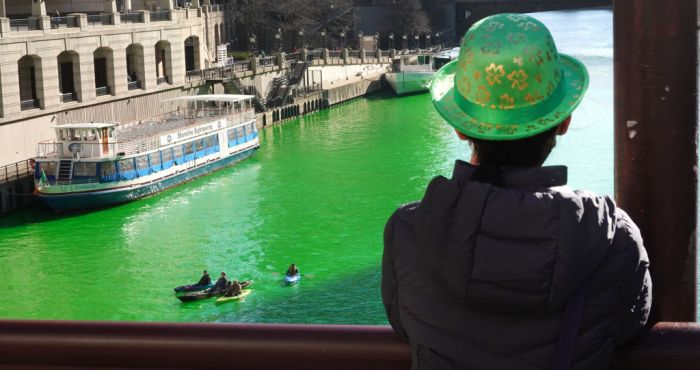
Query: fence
[[63, 22], [160, 16], [131, 18], [16, 171], [25, 24], [99, 19]]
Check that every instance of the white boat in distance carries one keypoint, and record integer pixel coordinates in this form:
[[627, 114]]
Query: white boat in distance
[[412, 73], [90, 165]]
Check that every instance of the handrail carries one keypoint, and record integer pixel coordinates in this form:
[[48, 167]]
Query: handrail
[[16, 171], [131, 345]]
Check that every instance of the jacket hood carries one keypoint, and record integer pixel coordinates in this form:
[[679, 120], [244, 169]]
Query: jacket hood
[[519, 249]]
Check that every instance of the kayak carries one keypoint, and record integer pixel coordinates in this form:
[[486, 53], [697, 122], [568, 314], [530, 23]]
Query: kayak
[[192, 288], [204, 294], [225, 299], [292, 279]]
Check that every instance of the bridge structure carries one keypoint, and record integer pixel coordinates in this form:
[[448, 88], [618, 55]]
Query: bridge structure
[[468, 12]]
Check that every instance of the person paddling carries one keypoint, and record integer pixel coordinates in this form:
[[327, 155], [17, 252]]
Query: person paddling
[[205, 279], [220, 284], [292, 270]]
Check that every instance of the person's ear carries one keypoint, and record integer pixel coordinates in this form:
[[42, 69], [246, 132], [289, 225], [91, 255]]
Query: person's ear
[[564, 126], [461, 135]]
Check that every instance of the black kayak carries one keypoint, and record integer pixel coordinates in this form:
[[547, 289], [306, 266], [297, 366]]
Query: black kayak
[[196, 296], [192, 288]]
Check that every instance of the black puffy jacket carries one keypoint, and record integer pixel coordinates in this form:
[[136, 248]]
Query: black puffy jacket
[[477, 277]]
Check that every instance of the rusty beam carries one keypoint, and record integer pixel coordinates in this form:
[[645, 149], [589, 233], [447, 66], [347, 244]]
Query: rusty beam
[[34, 345], [655, 59]]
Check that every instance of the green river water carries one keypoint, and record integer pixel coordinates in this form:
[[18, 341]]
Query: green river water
[[317, 193]]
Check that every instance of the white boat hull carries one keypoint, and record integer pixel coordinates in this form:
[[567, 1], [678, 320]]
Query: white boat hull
[[409, 82]]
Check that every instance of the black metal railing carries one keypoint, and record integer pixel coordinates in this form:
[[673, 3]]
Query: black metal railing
[[29, 104], [291, 57], [131, 18], [162, 80], [63, 22], [24, 24], [266, 61], [69, 96], [103, 90], [160, 15], [99, 19], [133, 85], [16, 171], [313, 55], [241, 66]]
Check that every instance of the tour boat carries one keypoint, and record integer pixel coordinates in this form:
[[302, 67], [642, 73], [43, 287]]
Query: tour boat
[[413, 73], [90, 165]]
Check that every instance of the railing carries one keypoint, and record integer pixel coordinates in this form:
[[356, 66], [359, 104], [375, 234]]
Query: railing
[[335, 53], [132, 345], [29, 104], [70, 96], [307, 90], [99, 19], [217, 8], [63, 22], [25, 24], [49, 149], [354, 53], [16, 171], [241, 66], [160, 16], [291, 57], [162, 80], [133, 85], [266, 61], [370, 54], [131, 18], [102, 90]]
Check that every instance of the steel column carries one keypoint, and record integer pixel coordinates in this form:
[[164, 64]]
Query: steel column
[[655, 57]]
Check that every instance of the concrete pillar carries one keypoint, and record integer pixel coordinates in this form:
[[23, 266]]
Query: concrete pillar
[[145, 16], [324, 56], [127, 6], [9, 88], [121, 83], [38, 8], [379, 56], [45, 23], [363, 59], [149, 80], [87, 74], [254, 65], [110, 6], [194, 4], [48, 91], [2, 9], [80, 20], [4, 26], [280, 60], [177, 70], [344, 56]]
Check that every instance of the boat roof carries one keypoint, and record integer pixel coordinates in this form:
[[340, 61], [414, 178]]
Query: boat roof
[[85, 125], [210, 97]]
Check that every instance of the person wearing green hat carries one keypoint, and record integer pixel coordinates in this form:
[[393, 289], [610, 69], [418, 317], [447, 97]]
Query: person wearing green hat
[[503, 266]]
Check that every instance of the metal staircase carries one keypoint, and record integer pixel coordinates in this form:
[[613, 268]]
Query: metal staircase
[[65, 171], [234, 86]]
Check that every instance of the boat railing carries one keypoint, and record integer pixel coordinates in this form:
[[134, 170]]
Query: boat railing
[[416, 68], [47, 149], [16, 171]]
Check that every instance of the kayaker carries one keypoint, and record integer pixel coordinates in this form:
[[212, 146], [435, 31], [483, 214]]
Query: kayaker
[[234, 289], [292, 270], [205, 280], [221, 283], [503, 266]]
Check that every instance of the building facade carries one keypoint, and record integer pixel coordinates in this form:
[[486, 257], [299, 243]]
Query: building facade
[[96, 60]]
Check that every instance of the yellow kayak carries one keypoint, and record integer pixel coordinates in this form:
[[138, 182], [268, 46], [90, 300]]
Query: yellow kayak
[[224, 299]]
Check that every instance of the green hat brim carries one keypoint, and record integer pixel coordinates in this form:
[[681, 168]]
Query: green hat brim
[[573, 84]]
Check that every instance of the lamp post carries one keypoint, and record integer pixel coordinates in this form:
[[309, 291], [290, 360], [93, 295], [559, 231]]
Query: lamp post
[[342, 39], [404, 42], [301, 39], [251, 44], [417, 38], [323, 38], [278, 39], [359, 40], [437, 38], [376, 41], [427, 41], [391, 40]]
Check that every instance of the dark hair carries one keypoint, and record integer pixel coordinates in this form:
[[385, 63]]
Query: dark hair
[[528, 152]]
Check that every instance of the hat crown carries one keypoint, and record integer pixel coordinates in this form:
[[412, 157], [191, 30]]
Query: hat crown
[[506, 62]]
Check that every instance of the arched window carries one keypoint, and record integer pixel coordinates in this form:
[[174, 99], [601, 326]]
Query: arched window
[[30, 84], [68, 75], [163, 62], [134, 66], [104, 71]]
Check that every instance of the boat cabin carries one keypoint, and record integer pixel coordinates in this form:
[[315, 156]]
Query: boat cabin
[[81, 140]]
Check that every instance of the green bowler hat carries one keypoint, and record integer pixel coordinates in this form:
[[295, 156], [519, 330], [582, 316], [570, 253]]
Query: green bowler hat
[[509, 82]]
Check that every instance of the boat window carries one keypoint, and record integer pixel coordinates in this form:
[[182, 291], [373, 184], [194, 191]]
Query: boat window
[[108, 169], [62, 134], [177, 151], [213, 141], [126, 165], [86, 169], [154, 158], [231, 134], [167, 155], [74, 135], [189, 148], [49, 168], [142, 162], [200, 144], [111, 132], [92, 135]]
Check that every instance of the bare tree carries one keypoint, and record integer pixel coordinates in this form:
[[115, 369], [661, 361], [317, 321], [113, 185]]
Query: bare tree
[[411, 18]]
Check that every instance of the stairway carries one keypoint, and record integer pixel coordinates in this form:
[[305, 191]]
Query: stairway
[[65, 169], [234, 86]]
